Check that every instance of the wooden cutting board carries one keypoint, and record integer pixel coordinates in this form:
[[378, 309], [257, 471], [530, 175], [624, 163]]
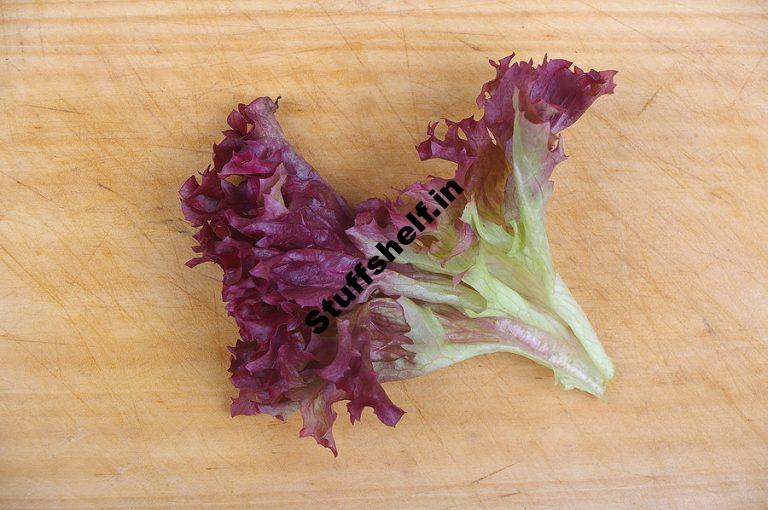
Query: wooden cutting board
[[113, 383]]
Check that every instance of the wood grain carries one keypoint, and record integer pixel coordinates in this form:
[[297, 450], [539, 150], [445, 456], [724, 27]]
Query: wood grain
[[113, 384]]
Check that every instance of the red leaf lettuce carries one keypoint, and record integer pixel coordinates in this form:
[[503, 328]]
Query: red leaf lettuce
[[479, 280]]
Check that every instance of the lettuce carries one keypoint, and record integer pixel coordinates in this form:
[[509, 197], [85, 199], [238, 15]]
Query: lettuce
[[480, 279]]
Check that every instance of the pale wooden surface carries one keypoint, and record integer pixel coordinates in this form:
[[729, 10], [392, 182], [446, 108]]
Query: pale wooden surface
[[113, 388]]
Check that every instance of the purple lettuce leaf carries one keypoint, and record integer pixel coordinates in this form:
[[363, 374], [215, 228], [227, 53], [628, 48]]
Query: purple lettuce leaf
[[478, 280]]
